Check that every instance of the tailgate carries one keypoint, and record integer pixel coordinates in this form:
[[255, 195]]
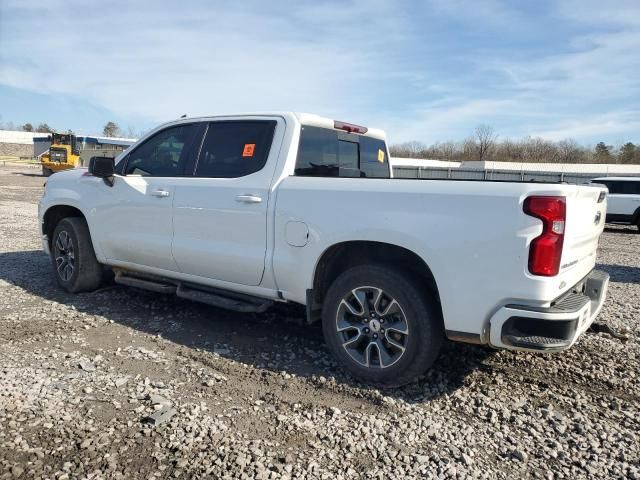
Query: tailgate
[[586, 211]]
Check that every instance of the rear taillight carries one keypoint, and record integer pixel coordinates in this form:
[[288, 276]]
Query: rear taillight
[[546, 250]]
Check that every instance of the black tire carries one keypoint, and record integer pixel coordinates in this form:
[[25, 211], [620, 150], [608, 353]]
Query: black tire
[[46, 172], [424, 327], [74, 261]]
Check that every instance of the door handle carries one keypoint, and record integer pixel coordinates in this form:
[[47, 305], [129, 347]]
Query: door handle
[[160, 193], [249, 199]]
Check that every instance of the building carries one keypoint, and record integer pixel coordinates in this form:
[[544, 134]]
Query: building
[[93, 146], [20, 144], [89, 146], [509, 171]]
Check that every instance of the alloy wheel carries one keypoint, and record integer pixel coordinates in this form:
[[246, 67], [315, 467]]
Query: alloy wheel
[[64, 255], [372, 327]]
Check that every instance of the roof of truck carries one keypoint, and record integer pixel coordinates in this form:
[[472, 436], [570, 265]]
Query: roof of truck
[[309, 119]]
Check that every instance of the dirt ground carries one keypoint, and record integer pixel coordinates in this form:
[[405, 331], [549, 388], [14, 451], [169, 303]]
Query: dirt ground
[[258, 396]]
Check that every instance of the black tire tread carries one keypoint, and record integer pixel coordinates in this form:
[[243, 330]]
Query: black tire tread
[[425, 310], [89, 270]]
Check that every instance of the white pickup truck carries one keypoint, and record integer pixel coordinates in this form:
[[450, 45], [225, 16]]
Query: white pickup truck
[[246, 210]]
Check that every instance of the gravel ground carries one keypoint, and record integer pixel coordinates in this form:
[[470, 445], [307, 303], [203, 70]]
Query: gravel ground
[[258, 396]]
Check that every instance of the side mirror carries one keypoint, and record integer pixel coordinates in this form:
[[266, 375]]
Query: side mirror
[[103, 167]]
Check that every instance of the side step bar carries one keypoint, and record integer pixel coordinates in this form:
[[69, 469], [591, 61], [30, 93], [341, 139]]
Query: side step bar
[[144, 283], [228, 301], [237, 302]]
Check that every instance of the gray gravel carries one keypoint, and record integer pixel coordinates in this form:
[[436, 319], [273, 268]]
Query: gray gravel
[[124, 384]]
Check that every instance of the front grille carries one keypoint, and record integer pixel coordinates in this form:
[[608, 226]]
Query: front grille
[[58, 155]]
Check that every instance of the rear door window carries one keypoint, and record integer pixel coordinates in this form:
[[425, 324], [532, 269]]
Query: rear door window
[[329, 153], [233, 149]]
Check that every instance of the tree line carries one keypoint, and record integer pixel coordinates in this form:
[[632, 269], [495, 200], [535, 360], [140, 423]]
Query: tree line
[[484, 145], [111, 129]]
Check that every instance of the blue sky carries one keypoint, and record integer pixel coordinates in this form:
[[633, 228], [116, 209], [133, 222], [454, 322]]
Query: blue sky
[[422, 70]]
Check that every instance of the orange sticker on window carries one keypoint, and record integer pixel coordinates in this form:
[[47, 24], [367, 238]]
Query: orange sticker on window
[[248, 149]]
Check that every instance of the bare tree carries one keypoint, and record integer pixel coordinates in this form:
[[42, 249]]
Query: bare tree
[[539, 150], [486, 140], [530, 150], [131, 133], [44, 128], [569, 151], [409, 150], [469, 149], [111, 129]]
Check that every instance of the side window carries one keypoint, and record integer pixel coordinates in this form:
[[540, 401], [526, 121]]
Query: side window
[[630, 187], [373, 158], [614, 187], [327, 153], [235, 148], [166, 154]]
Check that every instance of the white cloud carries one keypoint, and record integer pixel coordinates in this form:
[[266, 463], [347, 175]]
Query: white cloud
[[142, 60], [380, 63], [611, 125]]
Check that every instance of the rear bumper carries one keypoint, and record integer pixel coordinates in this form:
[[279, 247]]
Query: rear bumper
[[522, 327]]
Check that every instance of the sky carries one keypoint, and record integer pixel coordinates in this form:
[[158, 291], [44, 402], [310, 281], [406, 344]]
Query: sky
[[428, 70]]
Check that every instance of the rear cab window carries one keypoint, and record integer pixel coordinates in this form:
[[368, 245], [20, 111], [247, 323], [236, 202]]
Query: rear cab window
[[325, 152]]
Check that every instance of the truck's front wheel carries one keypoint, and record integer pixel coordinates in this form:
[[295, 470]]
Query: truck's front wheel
[[74, 261], [46, 172], [381, 326]]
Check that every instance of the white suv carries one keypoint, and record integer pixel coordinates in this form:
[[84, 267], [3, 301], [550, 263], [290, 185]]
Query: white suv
[[624, 199]]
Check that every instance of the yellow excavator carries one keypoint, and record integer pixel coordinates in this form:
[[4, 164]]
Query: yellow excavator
[[63, 154]]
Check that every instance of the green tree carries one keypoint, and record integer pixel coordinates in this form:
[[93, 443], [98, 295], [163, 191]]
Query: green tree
[[111, 129], [44, 128], [603, 153], [27, 127], [627, 153]]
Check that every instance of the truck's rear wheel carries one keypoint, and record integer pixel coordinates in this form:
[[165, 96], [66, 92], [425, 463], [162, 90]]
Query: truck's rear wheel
[[74, 262], [380, 326], [46, 172]]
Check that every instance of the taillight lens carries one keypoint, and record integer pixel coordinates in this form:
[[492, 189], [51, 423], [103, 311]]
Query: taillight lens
[[350, 127], [546, 250]]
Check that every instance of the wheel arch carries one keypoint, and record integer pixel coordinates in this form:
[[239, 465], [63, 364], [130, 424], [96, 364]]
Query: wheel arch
[[54, 215], [635, 218], [342, 256]]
